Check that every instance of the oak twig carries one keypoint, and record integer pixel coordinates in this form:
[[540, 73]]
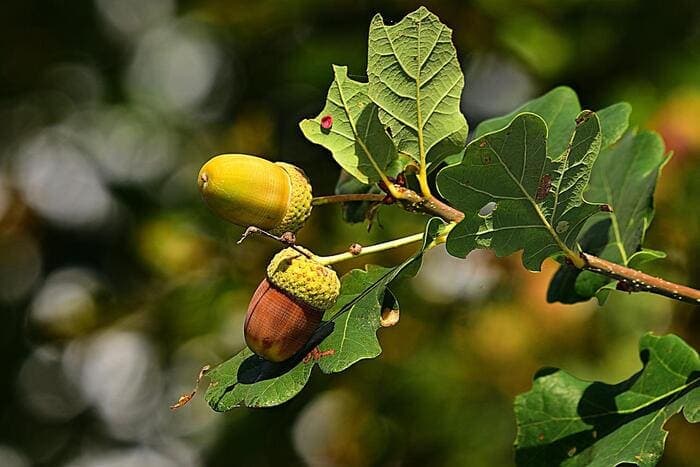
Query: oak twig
[[640, 281], [321, 200], [637, 280]]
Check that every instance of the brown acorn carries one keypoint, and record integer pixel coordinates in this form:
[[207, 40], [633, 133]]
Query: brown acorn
[[288, 305]]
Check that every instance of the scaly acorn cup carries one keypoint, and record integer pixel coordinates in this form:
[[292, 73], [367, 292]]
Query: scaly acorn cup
[[288, 305], [252, 191]]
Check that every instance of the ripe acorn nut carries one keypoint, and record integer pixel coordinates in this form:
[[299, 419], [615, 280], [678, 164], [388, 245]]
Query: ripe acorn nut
[[252, 191], [288, 305]]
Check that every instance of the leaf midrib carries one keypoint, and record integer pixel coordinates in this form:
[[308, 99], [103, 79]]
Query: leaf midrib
[[359, 140], [420, 62], [532, 202], [564, 168]]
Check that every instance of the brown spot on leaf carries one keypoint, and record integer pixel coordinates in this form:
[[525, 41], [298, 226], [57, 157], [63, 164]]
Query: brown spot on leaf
[[544, 187], [583, 117], [316, 354]]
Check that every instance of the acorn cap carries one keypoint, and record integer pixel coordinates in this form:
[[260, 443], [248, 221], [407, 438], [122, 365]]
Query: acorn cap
[[299, 205], [304, 278], [252, 191]]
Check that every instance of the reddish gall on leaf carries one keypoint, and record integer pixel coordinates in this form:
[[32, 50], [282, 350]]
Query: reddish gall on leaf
[[326, 122]]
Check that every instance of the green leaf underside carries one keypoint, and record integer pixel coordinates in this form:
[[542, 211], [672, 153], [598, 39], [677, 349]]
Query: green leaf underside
[[415, 79], [624, 177], [566, 421], [358, 141], [248, 380], [539, 199]]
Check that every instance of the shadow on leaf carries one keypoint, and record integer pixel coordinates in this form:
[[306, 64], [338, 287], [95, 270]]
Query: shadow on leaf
[[597, 408], [255, 368]]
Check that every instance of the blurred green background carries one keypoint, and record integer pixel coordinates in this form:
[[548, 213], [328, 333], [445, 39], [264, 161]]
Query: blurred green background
[[117, 284]]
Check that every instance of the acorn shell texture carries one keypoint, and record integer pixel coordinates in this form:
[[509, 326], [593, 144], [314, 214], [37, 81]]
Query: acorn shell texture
[[277, 326], [304, 279], [252, 191]]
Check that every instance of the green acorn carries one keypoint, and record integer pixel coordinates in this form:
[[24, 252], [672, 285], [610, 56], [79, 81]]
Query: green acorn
[[252, 191]]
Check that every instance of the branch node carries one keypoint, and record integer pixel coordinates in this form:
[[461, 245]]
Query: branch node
[[289, 238]]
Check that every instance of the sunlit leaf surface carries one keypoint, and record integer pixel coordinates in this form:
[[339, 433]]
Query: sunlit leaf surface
[[416, 80], [349, 127], [516, 196]]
